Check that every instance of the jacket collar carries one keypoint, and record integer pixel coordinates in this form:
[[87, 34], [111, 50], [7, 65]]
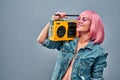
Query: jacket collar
[[90, 45]]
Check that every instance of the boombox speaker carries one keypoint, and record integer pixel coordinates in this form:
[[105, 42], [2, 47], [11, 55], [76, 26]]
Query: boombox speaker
[[62, 30]]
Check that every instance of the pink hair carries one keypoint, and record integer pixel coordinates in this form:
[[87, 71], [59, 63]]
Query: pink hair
[[96, 28]]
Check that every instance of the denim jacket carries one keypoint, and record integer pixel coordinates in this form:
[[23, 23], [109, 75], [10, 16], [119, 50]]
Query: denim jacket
[[89, 61]]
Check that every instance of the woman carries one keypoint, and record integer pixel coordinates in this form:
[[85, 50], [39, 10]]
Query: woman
[[82, 58]]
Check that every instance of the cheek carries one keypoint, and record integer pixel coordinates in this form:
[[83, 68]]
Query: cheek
[[88, 25]]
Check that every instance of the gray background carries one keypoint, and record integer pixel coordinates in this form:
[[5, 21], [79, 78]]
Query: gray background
[[22, 58]]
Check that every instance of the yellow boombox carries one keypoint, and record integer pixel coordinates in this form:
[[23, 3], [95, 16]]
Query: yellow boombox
[[62, 30]]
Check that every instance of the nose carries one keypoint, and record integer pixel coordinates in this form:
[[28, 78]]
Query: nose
[[80, 21]]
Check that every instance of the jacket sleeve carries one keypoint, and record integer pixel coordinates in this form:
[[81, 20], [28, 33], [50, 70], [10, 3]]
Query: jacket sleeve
[[52, 44], [98, 67]]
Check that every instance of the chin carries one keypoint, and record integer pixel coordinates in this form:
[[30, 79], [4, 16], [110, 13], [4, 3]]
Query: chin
[[78, 29]]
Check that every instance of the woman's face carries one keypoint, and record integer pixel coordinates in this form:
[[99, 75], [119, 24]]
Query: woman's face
[[83, 24]]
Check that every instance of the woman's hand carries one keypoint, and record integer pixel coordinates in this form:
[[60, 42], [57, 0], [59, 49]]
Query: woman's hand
[[44, 33], [58, 15]]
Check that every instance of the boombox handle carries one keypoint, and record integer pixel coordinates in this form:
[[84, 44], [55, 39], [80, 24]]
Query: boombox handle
[[67, 15]]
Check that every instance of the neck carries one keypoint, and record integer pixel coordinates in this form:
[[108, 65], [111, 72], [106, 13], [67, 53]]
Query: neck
[[84, 38]]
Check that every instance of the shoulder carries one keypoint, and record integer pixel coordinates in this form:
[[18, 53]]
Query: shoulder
[[99, 50]]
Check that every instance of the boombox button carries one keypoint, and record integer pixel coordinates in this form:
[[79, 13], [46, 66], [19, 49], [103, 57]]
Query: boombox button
[[51, 28]]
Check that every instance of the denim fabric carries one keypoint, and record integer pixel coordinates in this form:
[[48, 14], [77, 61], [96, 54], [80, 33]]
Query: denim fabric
[[89, 62]]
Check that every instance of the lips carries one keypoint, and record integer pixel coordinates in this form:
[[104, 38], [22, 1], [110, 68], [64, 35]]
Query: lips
[[80, 25]]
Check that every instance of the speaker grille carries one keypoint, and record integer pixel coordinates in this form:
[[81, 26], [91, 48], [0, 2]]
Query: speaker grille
[[61, 31]]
